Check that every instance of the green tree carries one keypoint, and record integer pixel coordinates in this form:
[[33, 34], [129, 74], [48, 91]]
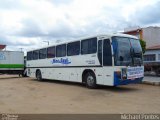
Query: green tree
[[143, 45]]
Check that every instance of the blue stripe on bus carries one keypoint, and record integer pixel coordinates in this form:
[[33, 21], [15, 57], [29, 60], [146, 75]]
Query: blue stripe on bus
[[119, 81], [66, 66]]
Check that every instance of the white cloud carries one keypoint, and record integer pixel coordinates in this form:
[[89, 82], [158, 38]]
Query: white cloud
[[27, 23]]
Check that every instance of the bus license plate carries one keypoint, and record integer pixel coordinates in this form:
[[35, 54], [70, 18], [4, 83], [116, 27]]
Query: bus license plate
[[135, 72]]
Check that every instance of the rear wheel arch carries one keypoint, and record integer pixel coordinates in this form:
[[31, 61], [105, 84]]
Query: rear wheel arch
[[38, 74], [84, 73], [89, 78]]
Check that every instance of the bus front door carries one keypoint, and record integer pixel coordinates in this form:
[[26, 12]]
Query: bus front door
[[107, 62]]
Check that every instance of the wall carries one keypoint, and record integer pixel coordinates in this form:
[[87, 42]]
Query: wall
[[157, 52], [151, 35]]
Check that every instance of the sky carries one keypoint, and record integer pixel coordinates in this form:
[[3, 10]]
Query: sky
[[27, 24]]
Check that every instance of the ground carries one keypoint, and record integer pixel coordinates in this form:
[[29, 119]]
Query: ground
[[27, 95]]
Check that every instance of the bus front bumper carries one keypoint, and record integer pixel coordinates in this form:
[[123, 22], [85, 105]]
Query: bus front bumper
[[119, 81]]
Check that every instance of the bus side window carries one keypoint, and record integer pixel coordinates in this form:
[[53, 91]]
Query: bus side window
[[51, 52], [107, 55], [89, 46], [35, 55], [100, 51], [73, 48], [29, 55], [42, 53], [61, 50]]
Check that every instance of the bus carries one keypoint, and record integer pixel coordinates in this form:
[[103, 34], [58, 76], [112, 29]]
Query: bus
[[109, 59]]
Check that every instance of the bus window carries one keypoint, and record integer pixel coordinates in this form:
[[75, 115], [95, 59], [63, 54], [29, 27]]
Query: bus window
[[61, 50], [100, 51], [42, 53], [51, 52], [29, 55], [89, 46], [107, 53], [35, 55], [73, 48], [127, 51]]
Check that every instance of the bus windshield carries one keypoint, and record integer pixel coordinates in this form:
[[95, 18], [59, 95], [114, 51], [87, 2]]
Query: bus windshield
[[127, 51]]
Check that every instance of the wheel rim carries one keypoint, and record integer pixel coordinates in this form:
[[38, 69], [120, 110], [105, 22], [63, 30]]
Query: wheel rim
[[90, 80]]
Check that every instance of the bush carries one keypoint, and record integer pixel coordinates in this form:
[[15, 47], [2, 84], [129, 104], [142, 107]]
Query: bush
[[143, 45]]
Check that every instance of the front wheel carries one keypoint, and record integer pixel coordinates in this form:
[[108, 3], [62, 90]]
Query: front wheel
[[39, 75], [90, 80]]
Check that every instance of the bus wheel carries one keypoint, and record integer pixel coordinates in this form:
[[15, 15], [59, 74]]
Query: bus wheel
[[90, 80], [39, 75]]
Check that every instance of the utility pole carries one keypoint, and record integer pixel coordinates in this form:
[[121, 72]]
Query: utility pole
[[46, 42], [21, 49]]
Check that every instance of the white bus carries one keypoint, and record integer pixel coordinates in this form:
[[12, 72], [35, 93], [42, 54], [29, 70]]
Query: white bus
[[112, 60]]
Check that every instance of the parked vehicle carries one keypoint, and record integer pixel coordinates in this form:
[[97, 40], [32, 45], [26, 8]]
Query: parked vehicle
[[113, 59], [12, 62]]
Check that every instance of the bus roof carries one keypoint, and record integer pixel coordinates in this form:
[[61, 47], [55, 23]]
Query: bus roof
[[82, 38]]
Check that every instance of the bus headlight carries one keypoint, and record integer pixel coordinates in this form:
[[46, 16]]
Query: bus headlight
[[124, 73]]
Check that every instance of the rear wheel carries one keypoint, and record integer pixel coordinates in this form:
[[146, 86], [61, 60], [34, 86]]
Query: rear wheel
[[39, 75], [90, 80]]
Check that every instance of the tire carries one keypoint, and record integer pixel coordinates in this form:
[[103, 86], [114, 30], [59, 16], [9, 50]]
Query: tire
[[90, 80], [39, 75]]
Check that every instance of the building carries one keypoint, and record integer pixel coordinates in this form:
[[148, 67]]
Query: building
[[149, 34], [152, 59], [152, 54]]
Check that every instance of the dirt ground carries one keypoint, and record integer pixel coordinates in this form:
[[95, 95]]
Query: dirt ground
[[27, 95]]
